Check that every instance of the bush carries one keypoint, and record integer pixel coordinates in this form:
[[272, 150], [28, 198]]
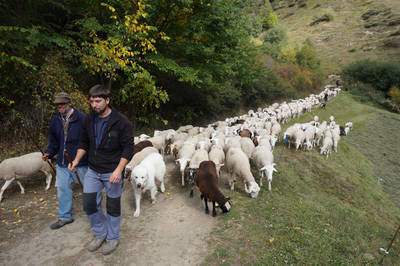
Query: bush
[[275, 36], [307, 56], [369, 13], [302, 3], [271, 20], [394, 22], [371, 24], [326, 17], [366, 93], [380, 75], [396, 33], [394, 94]]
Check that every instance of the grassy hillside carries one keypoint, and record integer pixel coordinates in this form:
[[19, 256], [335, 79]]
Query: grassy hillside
[[349, 35], [321, 211]]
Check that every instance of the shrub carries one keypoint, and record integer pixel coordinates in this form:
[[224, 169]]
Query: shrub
[[396, 33], [371, 24], [380, 75], [394, 22], [271, 20], [302, 3], [369, 13], [325, 17], [287, 55], [366, 93], [394, 94], [307, 56], [275, 36]]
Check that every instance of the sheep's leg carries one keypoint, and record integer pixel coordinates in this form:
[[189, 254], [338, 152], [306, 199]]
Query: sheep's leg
[[48, 179], [183, 178], [5, 186], [232, 184], [206, 205], [269, 185], [261, 177], [138, 196], [214, 212], [21, 187], [191, 191]]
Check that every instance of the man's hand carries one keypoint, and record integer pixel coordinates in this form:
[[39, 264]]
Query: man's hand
[[45, 157], [71, 166], [115, 177]]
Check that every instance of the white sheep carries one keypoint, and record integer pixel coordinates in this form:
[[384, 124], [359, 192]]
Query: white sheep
[[327, 144], [137, 159], [276, 129], [238, 164], [247, 146], [346, 130], [159, 142], [198, 157], [349, 125], [264, 160], [184, 156], [309, 137], [299, 136], [217, 155], [23, 166], [335, 138]]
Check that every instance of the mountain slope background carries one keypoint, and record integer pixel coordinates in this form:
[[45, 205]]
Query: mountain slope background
[[357, 29]]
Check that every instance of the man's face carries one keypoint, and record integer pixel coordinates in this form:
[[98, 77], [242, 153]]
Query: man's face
[[63, 108], [99, 104]]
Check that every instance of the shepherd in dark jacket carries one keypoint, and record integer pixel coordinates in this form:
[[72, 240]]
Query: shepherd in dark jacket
[[65, 132]]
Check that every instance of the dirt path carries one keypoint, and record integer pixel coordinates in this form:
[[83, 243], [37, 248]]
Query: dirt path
[[173, 231]]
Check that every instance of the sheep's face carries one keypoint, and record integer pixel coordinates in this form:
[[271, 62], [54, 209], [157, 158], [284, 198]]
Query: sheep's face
[[252, 190], [128, 171], [227, 206], [182, 163], [139, 177], [269, 170]]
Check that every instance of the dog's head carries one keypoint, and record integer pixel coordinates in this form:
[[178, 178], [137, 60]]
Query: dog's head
[[139, 177]]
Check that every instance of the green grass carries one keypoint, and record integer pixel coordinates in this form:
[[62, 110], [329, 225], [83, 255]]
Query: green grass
[[321, 211], [348, 37]]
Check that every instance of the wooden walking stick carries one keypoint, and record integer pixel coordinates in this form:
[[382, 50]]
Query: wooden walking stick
[[386, 251], [38, 147], [76, 172]]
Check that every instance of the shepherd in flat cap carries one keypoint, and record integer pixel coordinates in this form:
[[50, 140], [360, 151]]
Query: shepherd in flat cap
[[62, 97], [65, 131]]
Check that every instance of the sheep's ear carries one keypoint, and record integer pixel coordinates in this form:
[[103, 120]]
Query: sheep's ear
[[262, 169], [220, 165], [273, 169]]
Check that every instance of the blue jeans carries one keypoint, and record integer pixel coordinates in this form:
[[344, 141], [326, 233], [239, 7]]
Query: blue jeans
[[64, 191], [103, 226]]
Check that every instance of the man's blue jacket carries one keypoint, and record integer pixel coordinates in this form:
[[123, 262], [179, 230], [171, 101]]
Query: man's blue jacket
[[56, 145]]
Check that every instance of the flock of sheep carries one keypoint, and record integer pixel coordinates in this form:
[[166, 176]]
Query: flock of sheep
[[235, 143]]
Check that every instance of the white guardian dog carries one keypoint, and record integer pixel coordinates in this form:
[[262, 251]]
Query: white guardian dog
[[144, 175]]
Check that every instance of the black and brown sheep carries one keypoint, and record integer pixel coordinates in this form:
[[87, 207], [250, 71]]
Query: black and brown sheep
[[207, 182]]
